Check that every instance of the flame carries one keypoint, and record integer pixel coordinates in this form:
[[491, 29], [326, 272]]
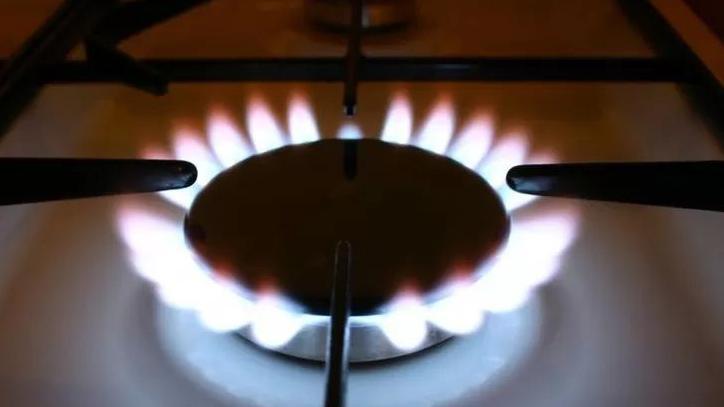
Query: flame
[[225, 310], [273, 324], [349, 131], [161, 256], [438, 129], [302, 126], [398, 123], [457, 312], [264, 129], [226, 139], [473, 142], [530, 258], [405, 323]]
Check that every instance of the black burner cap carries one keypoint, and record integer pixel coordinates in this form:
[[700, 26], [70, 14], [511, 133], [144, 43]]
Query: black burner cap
[[414, 220]]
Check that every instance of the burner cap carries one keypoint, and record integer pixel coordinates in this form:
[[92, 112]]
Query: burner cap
[[414, 220]]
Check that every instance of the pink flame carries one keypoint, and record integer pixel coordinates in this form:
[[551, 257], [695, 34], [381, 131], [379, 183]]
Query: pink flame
[[264, 129], [226, 139]]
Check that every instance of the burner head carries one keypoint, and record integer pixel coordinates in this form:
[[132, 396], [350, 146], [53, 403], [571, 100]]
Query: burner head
[[414, 219]]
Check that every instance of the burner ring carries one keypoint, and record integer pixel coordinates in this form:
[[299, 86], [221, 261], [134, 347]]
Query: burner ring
[[367, 342]]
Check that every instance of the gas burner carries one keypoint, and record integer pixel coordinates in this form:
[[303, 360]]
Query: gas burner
[[416, 222], [246, 265]]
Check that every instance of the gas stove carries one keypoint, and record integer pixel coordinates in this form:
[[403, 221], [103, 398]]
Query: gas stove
[[378, 259]]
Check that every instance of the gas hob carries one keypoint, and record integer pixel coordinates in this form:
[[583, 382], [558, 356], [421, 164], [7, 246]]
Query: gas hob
[[631, 314]]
